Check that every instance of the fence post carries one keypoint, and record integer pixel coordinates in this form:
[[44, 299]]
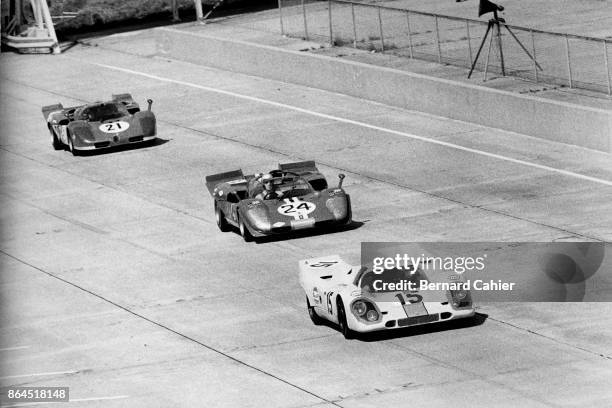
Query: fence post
[[438, 41], [354, 25], [605, 44], [533, 49], [280, 15], [409, 33], [305, 23], [380, 30], [569, 64], [469, 40], [331, 32]]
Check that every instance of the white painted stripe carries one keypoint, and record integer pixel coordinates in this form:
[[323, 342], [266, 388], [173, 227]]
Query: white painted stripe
[[37, 374], [358, 123], [15, 348]]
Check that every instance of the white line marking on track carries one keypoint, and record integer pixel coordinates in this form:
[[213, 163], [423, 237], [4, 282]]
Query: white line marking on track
[[358, 123], [15, 348], [8, 377]]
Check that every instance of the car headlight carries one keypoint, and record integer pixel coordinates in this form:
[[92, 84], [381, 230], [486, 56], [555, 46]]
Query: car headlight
[[360, 308], [372, 315]]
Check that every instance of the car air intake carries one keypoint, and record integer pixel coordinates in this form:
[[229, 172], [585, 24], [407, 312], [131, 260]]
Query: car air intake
[[446, 315], [418, 320], [100, 145], [136, 139]]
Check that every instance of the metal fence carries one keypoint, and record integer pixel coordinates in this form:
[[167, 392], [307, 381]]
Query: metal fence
[[565, 59]]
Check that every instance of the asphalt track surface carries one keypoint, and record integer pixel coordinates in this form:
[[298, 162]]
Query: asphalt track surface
[[117, 283]]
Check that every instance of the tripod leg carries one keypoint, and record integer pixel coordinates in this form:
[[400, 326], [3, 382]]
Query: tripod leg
[[484, 38], [488, 55], [501, 51], [523, 47]]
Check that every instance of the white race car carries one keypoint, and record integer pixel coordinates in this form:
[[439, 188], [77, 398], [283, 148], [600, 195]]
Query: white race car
[[353, 297]]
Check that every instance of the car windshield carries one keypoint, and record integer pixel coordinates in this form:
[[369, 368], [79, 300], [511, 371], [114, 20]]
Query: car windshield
[[367, 277], [293, 187], [105, 111]]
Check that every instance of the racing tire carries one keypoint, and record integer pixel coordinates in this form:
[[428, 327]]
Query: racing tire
[[221, 221], [57, 144], [71, 148], [244, 231], [313, 315], [342, 324]]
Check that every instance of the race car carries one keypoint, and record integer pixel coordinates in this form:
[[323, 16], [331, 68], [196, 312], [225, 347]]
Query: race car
[[99, 125], [357, 300], [293, 197]]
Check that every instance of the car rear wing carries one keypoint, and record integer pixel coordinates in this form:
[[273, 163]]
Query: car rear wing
[[326, 267], [299, 167], [213, 180], [46, 110]]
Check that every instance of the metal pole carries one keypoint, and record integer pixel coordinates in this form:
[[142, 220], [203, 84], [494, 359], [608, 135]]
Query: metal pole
[[198, 7], [409, 33], [305, 23], [380, 30], [354, 25], [280, 15], [501, 50], [438, 41], [175, 13], [569, 65], [533, 49], [49, 23], [331, 33], [605, 44], [488, 55], [469, 40]]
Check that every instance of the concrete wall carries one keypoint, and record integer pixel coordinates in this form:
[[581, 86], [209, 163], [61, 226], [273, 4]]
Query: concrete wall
[[558, 121]]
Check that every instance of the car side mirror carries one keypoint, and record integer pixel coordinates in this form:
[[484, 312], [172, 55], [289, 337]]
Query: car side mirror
[[341, 177]]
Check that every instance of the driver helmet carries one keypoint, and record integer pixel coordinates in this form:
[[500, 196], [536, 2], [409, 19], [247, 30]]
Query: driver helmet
[[266, 180]]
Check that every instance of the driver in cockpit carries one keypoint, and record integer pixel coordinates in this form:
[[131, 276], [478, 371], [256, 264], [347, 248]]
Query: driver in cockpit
[[268, 192]]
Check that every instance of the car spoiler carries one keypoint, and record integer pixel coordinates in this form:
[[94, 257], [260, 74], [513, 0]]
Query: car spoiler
[[46, 110], [213, 180], [299, 167]]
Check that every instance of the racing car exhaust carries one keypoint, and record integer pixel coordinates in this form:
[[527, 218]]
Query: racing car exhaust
[[150, 102], [341, 177]]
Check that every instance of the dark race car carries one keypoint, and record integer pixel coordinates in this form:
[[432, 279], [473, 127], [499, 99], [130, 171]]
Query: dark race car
[[297, 197], [100, 125]]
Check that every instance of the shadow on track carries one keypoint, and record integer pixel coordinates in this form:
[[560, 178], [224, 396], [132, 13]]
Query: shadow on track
[[309, 233], [382, 335], [116, 149]]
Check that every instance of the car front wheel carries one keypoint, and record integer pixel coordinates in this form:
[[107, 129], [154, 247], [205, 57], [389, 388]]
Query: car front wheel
[[344, 329], [221, 221], [71, 146], [57, 144], [244, 231], [313, 315]]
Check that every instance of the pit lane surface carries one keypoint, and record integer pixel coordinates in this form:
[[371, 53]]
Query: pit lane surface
[[117, 283]]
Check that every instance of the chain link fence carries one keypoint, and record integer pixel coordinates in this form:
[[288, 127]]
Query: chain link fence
[[562, 59]]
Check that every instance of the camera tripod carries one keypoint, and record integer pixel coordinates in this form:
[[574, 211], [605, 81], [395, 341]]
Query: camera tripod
[[495, 22]]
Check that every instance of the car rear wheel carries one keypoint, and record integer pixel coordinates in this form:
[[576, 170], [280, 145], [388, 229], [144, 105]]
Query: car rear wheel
[[57, 144], [221, 221], [244, 231], [344, 329], [313, 315]]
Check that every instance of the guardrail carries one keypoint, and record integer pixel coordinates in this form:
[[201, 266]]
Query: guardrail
[[568, 60]]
